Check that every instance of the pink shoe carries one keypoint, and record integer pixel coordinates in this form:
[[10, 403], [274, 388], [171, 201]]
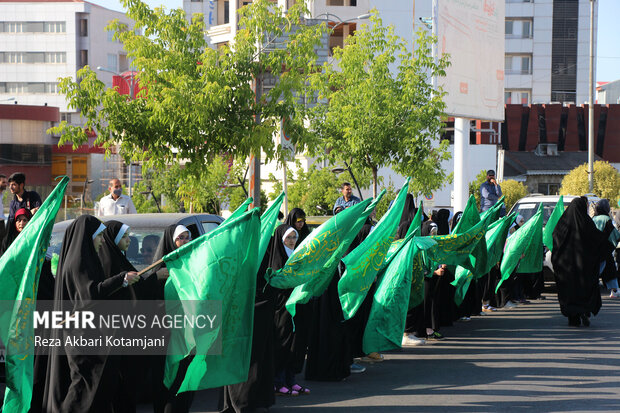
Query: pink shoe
[[285, 391], [300, 389]]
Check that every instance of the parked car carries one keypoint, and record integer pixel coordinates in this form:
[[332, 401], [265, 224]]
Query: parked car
[[144, 225], [527, 207]]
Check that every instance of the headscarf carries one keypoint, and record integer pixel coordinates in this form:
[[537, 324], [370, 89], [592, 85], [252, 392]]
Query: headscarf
[[578, 249], [27, 213], [291, 219], [113, 260], [12, 232], [443, 217], [166, 243], [602, 207], [288, 250], [277, 251], [80, 276], [455, 219], [409, 210], [428, 226], [178, 231]]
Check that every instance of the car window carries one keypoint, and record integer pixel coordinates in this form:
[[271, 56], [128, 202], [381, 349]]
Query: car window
[[144, 242], [527, 210], [208, 226]]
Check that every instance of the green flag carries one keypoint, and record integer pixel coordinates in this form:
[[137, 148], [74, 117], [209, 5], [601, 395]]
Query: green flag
[[478, 258], [317, 285], [552, 222], [310, 257], [469, 218], [524, 249], [216, 269], [268, 224], [386, 322], [365, 261], [454, 249], [495, 239], [20, 267]]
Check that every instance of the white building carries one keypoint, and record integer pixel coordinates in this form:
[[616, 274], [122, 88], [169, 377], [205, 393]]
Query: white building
[[42, 41], [547, 50]]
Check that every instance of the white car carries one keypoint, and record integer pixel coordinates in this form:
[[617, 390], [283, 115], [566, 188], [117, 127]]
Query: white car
[[527, 207]]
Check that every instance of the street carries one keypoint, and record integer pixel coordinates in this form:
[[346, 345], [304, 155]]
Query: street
[[527, 358]]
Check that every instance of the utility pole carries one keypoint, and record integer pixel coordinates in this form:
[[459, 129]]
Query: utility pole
[[591, 105]]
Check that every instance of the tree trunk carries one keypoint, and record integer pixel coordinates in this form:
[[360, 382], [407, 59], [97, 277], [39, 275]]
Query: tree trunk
[[374, 182]]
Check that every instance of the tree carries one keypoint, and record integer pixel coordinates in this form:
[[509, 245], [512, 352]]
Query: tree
[[606, 181], [198, 103], [381, 109], [511, 189]]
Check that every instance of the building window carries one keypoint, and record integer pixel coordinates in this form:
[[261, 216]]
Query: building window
[[549, 189], [24, 87], [83, 58], [55, 27], [113, 62], [33, 27], [84, 27], [518, 64], [56, 57], [33, 57], [519, 28], [517, 97]]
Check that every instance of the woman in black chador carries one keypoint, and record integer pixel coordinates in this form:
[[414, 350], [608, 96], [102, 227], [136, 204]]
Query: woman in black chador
[[257, 393], [166, 400], [578, 249], [77, 382], [112, 255], [330, 347]]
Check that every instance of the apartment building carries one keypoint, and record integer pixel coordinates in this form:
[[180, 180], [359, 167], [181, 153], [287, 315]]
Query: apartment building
[[547, 51], [42, 41]]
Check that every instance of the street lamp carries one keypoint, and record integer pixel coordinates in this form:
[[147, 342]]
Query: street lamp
[[339, 170], [364, 16], [131, 85], [150, 192]]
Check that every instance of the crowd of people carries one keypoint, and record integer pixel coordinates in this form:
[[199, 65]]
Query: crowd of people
[[322, 345]]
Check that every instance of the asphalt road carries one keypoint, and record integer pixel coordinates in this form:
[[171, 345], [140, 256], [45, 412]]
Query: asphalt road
[[523, 359]]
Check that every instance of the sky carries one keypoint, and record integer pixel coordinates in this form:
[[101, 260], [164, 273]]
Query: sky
[[608, 45]]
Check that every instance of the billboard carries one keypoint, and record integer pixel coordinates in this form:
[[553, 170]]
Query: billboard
[[472, 32]]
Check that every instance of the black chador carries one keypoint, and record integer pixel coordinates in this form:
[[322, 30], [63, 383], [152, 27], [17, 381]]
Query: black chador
[[77, 382], [578, 249], [258, 391]]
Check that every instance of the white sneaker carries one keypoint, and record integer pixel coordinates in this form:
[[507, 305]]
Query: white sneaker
[[615, 294], [411, 340], [509, 305]]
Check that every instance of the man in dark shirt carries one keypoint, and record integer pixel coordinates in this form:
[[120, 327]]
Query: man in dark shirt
[[22, 199]]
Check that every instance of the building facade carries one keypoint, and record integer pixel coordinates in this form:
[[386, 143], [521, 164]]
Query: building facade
[[42, 41], [547, 51]]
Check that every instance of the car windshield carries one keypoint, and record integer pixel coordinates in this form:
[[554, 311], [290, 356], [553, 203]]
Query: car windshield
[[528, 209], [143, 244]]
